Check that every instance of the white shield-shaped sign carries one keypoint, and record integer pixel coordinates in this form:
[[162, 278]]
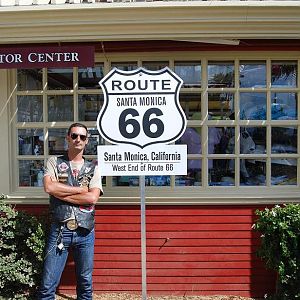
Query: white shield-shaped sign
[[141, 107]]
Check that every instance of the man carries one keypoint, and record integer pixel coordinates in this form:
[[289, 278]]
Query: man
[[74, 186]]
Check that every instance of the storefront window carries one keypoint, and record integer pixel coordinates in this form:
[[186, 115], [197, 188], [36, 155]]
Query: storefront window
[[220, 74], [60, 79], [242, 121], [60, 108], [31, 173], [284, 139], [221, 172], [31, 142], [284, 106], [30, 108], [253, 106], [30, 79], [221, 140], [155, 65], [253, 140], [253, 172], [124, 66], [253, 74], [134, 181], [284, 171], [57, 144], [94, 140], [221, 106], [88, 78], [89, 107], [191, 105], [193, 177], [189, 72], [284, 74]]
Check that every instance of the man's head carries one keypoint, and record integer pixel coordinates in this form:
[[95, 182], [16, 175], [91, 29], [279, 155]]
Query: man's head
[[77, 125], [77, 136]]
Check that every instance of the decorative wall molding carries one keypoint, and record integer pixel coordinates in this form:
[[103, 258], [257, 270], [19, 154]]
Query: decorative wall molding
[[160, 20]]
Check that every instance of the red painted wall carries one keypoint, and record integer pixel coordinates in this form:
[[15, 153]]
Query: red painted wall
[[191, 250]]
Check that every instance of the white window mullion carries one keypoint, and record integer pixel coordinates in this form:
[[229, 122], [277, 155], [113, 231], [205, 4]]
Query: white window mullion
[[204, 117]]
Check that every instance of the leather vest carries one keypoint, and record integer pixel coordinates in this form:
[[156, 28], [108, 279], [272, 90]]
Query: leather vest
[[61, 210]]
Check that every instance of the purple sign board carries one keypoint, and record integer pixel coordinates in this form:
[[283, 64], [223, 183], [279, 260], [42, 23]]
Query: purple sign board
[[47, 57]]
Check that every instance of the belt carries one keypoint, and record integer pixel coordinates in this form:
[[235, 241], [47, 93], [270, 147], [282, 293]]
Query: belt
[[71, 224]]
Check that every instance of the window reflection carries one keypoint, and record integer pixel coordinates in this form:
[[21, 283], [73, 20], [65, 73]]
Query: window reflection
[[252, 74], [134, 181], [31, 173], [284, 106], [193, 177], [253, 172], [31, 141], [155, 65], [220, 140], [284, 139], [57, 143], [30, 79], [60, 108], [253, 140], [89, 107], [189, 72], [284, 74], [284, 171], [124, 66], [253, 106], [221, 173], [30, 108], [191, 105], [192, 138], [60, 79], [220, 74], [88, 78], [94, 140], [221, 106]]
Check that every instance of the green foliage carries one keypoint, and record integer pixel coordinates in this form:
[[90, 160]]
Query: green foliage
[[280, 247], [22, 242]]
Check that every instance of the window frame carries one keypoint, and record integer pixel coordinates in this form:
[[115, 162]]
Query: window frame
[[180, 194]]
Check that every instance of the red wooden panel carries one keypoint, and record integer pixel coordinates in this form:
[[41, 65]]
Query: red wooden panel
[[173, 250], [180, 279], [175, 242], [181, 273], [191, 250], [180, 219], [170, 227]]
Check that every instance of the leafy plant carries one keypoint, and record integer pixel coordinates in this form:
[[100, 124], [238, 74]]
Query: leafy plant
[[280, 247], [22, 242]]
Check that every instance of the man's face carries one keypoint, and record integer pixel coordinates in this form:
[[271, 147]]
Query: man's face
[[77, 139]]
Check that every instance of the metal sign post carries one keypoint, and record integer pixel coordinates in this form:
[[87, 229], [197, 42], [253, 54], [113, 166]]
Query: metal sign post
[[142, 103], [143, 237]]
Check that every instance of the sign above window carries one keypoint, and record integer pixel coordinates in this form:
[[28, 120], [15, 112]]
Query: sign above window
[[47, 57]]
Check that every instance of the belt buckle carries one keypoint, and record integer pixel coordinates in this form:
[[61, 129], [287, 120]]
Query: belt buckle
[[72, 224]]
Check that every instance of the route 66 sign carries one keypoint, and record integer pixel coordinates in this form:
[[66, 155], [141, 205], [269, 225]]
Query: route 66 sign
[[141, 107]]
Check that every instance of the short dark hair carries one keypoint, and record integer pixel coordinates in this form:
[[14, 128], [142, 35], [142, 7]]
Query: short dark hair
[[77, 125]]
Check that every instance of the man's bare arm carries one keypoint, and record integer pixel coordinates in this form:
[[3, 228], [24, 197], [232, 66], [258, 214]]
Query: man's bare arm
[[89, 198], [59, 190]]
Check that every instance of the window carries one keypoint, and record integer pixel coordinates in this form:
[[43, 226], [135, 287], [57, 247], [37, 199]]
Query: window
[[47, 102], [242, 122]]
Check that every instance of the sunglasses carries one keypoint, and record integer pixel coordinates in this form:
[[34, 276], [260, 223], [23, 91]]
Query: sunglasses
[[74, 136]]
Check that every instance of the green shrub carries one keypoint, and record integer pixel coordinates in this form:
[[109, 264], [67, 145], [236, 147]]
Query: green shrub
[[280, 247], [22, 242]]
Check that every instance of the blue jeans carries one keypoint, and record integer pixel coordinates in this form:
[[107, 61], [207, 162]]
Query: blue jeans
[[60, 240]]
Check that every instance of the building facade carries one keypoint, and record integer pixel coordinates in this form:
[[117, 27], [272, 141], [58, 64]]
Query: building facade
[[239, 61]]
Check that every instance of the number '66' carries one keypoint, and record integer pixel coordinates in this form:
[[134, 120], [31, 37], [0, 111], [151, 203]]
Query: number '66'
[[133, 131]]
